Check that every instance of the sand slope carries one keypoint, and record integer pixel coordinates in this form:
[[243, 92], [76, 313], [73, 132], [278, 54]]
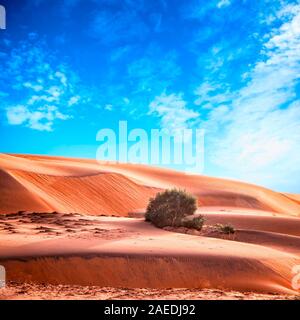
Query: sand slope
[[50, 244], [124, 252], [294, 197], [48, 184]]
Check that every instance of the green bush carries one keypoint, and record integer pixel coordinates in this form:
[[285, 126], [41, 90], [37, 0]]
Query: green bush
[[226, 228], [195, 223], [168, 208]]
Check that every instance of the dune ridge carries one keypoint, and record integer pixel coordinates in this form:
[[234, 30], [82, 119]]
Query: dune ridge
[[44, 179], [155, 272], [57, 227], [98, 194]]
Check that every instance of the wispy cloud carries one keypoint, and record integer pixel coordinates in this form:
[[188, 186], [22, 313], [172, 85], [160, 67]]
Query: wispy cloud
[[173, 111], [148, 74], [196, 9], [223, 3], [37, 89], [255, 130], [41, 119], [231, 65]]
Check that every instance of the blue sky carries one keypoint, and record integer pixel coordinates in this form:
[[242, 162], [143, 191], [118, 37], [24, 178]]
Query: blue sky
[[232, 67]]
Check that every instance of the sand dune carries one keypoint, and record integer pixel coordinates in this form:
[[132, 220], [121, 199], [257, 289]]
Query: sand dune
[[64, 186], [124, 252], [48, 181], [249, 221], [51, 232], [294, 197], [15, 196]]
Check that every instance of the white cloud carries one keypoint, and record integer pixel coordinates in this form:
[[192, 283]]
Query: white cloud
[[62, 77], [17, 115], [208, 95], [223, 3], [173, 111], [55, 92], [34, 87], [41, 119], [253, 133], [41, 87], [126, 100], [42, 98], [108, 107], [74, 100]]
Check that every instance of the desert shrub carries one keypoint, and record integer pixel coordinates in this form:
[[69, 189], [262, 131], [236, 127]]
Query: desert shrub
[[168, 208], [226, 228], [195, 223]]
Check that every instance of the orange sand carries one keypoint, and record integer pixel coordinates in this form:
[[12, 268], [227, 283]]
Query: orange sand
[[124, 252], [128, 252], [40, 183]]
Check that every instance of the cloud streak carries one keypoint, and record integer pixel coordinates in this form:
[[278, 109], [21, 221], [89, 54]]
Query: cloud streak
[[173, 111], [37, 90], [255, 135]]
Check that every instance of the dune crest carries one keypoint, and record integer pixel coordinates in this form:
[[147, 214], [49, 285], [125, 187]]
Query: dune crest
[[45, 184], [53, 231]]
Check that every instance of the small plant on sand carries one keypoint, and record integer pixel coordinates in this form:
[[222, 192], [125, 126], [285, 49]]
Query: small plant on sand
[[195, 223], [168, 208], [225, 228]]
